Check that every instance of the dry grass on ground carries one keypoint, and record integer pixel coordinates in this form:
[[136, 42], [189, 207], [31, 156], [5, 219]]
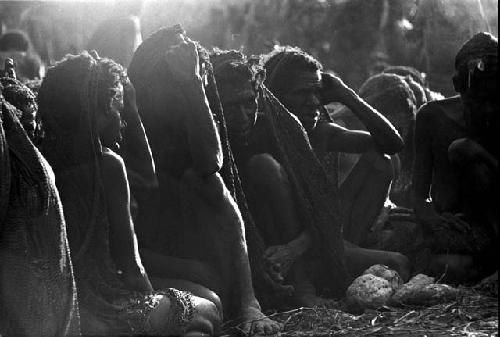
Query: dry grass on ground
[[471, 314]]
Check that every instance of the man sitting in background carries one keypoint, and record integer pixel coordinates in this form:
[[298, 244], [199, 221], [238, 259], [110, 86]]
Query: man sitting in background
[[456, 165]]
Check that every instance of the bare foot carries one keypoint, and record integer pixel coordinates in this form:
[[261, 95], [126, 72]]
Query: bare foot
[[255, 323]]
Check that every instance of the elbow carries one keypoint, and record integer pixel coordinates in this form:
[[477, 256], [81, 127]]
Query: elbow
[[393, 149], [209, 166], [395, 146]]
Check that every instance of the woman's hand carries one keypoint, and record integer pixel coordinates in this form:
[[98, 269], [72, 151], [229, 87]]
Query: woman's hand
[[334, 89], [129, 102], [183, 60]]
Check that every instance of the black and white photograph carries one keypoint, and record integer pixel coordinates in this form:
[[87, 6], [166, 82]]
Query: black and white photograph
[[249, 168]]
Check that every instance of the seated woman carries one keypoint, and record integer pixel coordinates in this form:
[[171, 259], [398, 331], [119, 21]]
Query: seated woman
[[394, 97], [37, 287], [396, 228], [455, 178], [194, 214], [81, 100], [289, 194]]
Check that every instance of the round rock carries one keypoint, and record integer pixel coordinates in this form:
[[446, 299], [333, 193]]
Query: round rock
[[369, 291]]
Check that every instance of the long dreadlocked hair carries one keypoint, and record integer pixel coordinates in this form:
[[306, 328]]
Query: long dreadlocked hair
[[148, 64], [37, 292], [232, 66], [73, 93], [4, 166], [414, 78], [404, 71], [21, 97], [231, 177], [317, 195], [230, 69], [388, 93]]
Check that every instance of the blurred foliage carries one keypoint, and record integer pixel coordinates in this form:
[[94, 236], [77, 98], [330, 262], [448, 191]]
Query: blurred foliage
[[354, 38]]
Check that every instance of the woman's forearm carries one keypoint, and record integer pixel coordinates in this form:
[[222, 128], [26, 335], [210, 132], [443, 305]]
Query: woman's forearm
[[383, 132], [204, 141]]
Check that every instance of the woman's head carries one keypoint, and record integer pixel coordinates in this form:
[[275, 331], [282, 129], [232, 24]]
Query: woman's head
[[295, 78], [393, 97], [159, 96], [82, 95], [238, 84], [476, 67], [24, 100]]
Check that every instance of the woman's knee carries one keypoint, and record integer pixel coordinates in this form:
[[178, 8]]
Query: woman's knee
[[463, 151], [207, 319], [360, 259], [209, 295]]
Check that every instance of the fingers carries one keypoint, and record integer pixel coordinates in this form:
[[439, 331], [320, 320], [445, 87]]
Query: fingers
[[183, 60], [183, 42], [456, 223], [128, 90], [269, 252], [276, 251], [179, 38], [273, 271], [184, 47]]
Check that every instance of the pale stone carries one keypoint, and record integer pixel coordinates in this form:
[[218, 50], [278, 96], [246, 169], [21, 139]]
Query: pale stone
[[421, 290], [369, 291]]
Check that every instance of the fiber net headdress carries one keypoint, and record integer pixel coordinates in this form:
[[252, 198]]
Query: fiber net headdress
[[37, 288], [316, 193], [147, 63], [316, 196]]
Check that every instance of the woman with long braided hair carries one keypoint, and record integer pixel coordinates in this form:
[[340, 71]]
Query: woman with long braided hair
[[81, 101], [37, 285]]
